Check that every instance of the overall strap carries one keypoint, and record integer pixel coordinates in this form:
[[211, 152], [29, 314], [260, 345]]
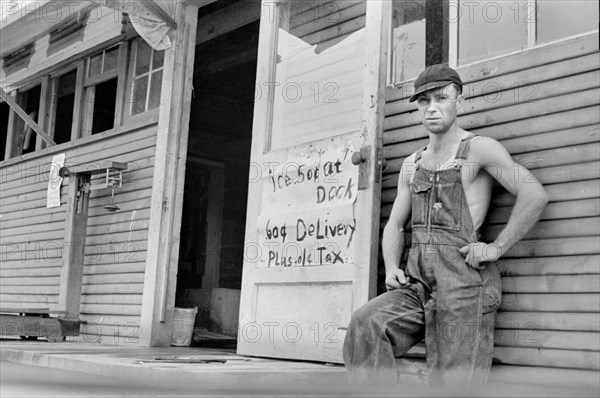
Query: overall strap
[[417, 162], [463, 147], [418, 154]]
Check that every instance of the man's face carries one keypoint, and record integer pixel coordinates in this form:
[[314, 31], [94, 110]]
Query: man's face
[[438, 108]]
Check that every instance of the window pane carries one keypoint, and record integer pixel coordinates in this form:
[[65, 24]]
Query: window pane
[[111, 58], [490, 28], [67, 84], [64, 107], [158, 59], [142, 63], [95, 64], [104, 106], [318, 71], [557, 18], [140, 90], [419, 36], [408, 38], [155, 86]]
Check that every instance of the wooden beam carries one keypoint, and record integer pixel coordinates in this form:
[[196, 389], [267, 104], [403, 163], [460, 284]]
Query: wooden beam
[[95, 168], [77, 122], [71, 275], [12, 103], [43, 110], [159, 11]]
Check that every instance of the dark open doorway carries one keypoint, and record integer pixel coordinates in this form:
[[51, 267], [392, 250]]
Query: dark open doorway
[[216, 187]]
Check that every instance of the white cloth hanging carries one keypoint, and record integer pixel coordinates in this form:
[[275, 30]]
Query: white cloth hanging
[[151, 27]]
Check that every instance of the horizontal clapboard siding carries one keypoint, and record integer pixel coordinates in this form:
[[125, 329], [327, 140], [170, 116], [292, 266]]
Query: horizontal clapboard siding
[[544, 107], [116, 243]]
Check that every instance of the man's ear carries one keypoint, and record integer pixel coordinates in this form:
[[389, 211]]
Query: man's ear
[[459, 102]]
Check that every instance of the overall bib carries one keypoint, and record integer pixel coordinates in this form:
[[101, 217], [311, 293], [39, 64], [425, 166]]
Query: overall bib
[[448, 302]]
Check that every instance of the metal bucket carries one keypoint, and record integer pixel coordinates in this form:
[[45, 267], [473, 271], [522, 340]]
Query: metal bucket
[[183, 326]]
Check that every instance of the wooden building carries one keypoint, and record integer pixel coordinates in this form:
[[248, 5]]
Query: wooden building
[[263, 142]]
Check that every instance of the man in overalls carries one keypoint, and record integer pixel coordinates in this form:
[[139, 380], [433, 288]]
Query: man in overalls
[[450, 289]]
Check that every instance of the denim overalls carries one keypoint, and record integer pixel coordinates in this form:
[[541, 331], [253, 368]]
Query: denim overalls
[[448, 302]]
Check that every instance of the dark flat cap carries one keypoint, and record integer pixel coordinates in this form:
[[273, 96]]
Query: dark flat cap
[[435, 76]]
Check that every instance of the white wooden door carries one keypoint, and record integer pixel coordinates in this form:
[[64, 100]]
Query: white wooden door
[[313, 215]]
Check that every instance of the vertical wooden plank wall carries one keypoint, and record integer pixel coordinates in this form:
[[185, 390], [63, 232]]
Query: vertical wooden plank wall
[[33, 236], [544, 106]]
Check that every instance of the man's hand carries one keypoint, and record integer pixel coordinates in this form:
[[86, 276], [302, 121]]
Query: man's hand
[[478, 253], [395, 280]]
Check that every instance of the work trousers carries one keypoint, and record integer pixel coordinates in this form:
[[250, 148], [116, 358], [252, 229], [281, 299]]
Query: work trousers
[[386, 327]]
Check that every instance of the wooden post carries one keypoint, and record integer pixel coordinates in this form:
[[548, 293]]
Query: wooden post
[[71, 275], [167, 187]]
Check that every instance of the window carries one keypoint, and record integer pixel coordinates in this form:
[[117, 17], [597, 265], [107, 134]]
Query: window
[[146, 70], [460, 32], [557, 19], [100, 100], [86, 98], [104, 62], [65, 87], [103, 115], [23, 137], [419, 36], [318, 71], [490, 28]]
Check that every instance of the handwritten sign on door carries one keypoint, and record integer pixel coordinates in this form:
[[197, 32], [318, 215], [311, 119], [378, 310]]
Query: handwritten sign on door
[[307, 214]]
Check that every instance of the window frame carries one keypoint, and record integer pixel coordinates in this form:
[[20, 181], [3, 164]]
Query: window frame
[[130, 86], [453, 40], [89, 84], [16, 123], [52, 98]]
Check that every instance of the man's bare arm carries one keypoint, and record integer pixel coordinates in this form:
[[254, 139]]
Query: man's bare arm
[[531, 200], [393, 234]]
